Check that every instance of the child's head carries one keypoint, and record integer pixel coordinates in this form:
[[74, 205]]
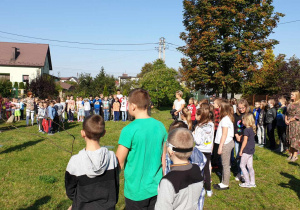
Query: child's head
[[71, 97], [263, 104], [180, 143], [80, 98], [177, 124], [191, 101], [257, 105], [101, 95], [242, 107], [226, 110], [249, 122], [203, 101], [97, 97], [29, 94], [217, 103], [204, 115], [105, 98], [118, 92], [179, 94], [271, 103], [233, 101], [90, 97], [58, 100], [40, 104], [93, 127], [45, 104], [110, 97], [62, 100], [68, 97], [186, 115], [138, 100], [51, 103], [282, 100]]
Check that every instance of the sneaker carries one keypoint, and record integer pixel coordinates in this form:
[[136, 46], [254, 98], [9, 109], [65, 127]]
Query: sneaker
[[218, 187], [40, 131], [209, 193], [237, 179], [252, 185], [245, 185], [261, 145]]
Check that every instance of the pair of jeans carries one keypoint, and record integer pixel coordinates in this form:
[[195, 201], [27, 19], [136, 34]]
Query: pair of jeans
[[71, 115], [116, 115], [97, 111], [247, 160], [207, 175], [106, 114], [86, 113], [261, 134], [225, 157], [282, 137], [124, 115], [31, 115]]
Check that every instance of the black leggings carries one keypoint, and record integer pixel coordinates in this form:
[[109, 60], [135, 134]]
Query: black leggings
[[207, 175], [270, 132]]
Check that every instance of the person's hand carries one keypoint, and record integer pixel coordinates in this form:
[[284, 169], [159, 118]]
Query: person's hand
[[220, 150], [238, 138], [241, 153], [176, 113], [287, 122]]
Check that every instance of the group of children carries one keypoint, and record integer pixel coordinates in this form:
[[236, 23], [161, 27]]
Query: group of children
[[108, 107]]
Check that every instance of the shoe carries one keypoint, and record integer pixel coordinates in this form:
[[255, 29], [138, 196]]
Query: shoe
[[209, 193], [245, 185], [293, 159], [237, 179], [217, 187], [289, 158], [252, 185], [40, 131]]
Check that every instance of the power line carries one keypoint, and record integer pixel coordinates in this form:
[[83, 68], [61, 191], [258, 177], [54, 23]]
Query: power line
[[83, 48], [71, 42], [289, 22]]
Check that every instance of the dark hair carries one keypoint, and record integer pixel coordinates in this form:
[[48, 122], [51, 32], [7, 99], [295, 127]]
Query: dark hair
[[177, 124], [94, 127], [58, 100], [140, 98]]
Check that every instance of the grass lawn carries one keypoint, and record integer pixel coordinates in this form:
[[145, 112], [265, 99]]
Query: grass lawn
[[32, 171]]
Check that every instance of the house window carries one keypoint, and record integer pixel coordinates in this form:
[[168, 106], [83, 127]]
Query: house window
[[26, 78], [4, 77]]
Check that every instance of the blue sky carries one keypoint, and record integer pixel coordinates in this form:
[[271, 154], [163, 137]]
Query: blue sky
[[116, 22]]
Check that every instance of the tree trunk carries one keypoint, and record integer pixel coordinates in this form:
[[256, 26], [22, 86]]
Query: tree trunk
[[232, 95], [224, 92]]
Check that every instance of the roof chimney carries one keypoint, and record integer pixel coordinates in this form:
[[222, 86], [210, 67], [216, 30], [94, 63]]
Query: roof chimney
[[15, 53]]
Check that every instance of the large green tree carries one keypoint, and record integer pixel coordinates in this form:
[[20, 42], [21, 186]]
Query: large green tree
[[161, 82], [225, 39]]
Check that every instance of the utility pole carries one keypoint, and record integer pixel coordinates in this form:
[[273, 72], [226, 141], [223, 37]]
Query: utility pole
[[162, 48]]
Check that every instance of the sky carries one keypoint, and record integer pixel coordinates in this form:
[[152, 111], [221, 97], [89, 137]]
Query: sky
[[116, 22]]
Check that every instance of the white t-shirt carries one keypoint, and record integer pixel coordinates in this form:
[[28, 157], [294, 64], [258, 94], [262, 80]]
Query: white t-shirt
[[87, 106], [119, 96], [79, 104], [226, 123], [123, 106], [204, 137], [177, 104]]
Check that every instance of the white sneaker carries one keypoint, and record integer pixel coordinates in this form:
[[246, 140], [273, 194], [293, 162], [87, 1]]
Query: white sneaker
[[252, 185], [244, 185], [209, 193]]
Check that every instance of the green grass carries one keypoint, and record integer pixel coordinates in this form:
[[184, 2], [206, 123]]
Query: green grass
[[32, 171]]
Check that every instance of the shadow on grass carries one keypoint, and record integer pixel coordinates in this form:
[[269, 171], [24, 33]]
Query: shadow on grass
[[165, 108], [67, 126], [21, 146], [294, 164], [293, 184], [65, 204], [38, 203]]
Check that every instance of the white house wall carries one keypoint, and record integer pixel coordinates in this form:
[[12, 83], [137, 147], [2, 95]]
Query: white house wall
[[16, 73]]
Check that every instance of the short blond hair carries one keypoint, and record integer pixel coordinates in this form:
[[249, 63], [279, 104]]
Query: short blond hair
[[271, 101], [181, 138], [248, 121], [179, 92]]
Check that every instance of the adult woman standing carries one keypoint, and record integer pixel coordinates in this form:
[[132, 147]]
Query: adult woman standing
[[292, 119], [179, 103]]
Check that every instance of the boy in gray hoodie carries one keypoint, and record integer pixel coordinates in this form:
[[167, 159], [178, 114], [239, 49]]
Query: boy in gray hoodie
[[92, 176]]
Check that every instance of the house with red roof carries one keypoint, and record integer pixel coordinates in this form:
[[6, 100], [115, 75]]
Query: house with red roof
[[23, 62]]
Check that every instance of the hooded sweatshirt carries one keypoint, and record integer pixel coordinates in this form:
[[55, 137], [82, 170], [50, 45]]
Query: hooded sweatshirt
[[92, 179]]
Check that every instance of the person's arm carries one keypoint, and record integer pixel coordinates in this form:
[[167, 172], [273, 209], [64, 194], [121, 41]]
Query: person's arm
[[165, 196], [223, 138], [243, 145], [121, 154], [70, 185], [163, 157]]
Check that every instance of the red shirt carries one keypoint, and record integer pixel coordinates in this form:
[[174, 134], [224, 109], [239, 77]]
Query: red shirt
[[192, 109], [217, 118]]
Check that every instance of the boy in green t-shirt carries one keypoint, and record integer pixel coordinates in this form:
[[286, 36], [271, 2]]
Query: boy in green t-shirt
[[141, 152]]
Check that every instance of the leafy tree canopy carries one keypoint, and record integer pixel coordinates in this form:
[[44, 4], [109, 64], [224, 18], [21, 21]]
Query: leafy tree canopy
[[43, 86], [161, 82], [224, 42]]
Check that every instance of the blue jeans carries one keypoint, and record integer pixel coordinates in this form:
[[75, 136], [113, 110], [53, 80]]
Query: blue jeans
[[97, 111], [116, 115], [86, 113], [124, 115], [106, 114], [237, 147]]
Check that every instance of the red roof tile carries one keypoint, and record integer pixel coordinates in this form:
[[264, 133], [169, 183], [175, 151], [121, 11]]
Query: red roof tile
[[33, 55]]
